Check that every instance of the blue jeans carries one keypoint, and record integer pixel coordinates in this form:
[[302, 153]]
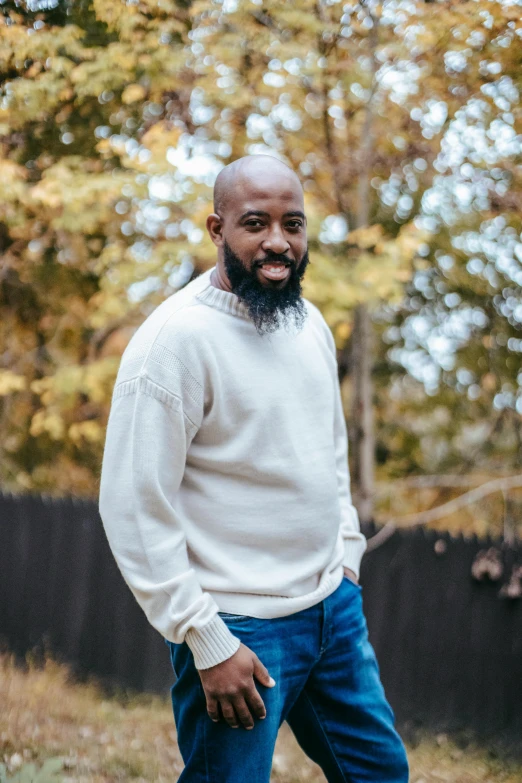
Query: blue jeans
[[327, 689]]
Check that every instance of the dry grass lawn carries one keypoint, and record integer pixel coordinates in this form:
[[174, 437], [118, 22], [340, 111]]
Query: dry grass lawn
[[44, 715]]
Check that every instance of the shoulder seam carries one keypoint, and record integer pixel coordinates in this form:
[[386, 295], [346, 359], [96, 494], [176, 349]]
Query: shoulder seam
[[152, 389], [191, 303], [156, 346]]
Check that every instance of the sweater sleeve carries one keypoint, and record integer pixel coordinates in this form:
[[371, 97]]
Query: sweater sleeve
[[148, 435]]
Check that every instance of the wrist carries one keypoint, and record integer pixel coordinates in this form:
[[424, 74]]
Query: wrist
[[211, 644], [351, 575]]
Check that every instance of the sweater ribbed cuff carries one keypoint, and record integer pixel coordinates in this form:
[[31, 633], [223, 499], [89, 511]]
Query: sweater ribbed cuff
[[354, 549], [211, 644]]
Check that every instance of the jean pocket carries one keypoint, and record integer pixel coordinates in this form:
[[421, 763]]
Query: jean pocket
[[351, 582], [234, 618]]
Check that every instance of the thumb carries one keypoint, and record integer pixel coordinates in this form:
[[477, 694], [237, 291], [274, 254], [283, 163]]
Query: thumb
[[261, 673]]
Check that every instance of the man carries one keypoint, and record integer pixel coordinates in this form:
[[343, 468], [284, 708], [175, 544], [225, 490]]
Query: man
[[225, 497]]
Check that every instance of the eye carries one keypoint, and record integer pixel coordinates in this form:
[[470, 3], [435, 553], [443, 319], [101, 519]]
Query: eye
[[294, 225], [254, 223]]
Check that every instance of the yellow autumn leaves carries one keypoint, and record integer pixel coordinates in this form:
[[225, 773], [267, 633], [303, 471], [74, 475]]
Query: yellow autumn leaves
[[58, 394]]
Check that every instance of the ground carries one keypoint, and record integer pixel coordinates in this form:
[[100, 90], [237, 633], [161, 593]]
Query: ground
[[102, 740]]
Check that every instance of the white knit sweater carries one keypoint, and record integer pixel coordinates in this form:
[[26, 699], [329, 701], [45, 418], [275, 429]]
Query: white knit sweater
[[225, 482]]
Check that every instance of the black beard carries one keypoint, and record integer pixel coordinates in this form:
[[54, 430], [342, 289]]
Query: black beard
[[269, 308]]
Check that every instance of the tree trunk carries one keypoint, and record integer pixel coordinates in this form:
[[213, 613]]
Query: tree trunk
[[362, 419], [360, 362], [362, 442]]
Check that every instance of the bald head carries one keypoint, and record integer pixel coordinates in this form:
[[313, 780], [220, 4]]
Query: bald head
[[247, 171]]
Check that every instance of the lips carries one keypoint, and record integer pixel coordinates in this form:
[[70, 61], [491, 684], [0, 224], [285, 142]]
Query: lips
[[274, 271]]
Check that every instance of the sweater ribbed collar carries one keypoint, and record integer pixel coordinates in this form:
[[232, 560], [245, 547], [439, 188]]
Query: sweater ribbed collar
[[221, 300]]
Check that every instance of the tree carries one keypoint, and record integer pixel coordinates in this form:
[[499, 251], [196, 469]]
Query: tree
[[77, 225], [115, 119]]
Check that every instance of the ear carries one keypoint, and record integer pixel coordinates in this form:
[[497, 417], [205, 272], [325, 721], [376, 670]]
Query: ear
[[215, 229]]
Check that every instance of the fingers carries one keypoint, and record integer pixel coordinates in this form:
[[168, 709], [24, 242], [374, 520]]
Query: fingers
[[261, 673], [243, 713], [229, 714], [231, 692], [236, 713], [239, 711], [213, 708], [255, 703]]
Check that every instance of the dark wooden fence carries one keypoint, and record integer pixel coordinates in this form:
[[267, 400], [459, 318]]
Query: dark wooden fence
[[449, 648], [61, 592]]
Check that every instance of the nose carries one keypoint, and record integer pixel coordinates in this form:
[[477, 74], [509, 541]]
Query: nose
[[276, 240]]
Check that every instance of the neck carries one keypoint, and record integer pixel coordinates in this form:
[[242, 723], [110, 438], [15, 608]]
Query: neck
[[219, 279]]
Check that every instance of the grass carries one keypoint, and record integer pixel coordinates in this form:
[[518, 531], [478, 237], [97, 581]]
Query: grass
[[100, 740]]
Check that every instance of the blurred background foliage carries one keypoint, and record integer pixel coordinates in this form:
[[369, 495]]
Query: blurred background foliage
[[403, 121]]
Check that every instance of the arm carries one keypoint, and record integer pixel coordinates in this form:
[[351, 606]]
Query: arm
[[148, 436]]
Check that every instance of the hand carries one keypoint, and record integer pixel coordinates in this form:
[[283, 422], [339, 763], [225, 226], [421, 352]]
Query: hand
[[351, 575], [230, 685]]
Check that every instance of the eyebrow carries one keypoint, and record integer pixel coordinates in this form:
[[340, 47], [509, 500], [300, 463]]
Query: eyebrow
[[261, 213]]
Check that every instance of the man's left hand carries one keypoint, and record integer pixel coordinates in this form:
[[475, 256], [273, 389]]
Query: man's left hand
[[351, 576]]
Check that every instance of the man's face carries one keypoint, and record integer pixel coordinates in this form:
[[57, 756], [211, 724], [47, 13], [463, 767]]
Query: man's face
[[269, 306], [263, 246]]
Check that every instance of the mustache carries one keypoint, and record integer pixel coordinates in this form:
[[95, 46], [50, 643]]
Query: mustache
[[275, 258]]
